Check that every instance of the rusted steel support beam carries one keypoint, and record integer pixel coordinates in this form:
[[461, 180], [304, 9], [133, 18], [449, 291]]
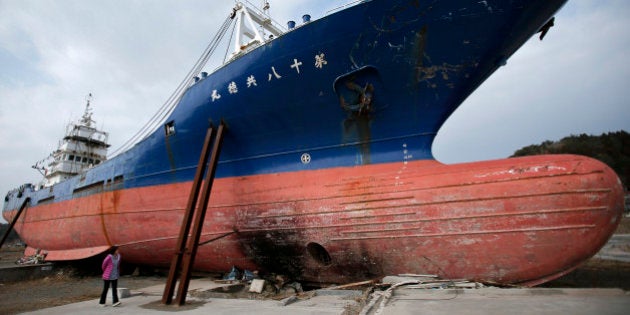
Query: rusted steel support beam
[[169, 289], [15, 218], [200, 214]]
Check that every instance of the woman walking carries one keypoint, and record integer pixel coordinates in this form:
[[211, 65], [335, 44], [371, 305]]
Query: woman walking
[[111, 271]]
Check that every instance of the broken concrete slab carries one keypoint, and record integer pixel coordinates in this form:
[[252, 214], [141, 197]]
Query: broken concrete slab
[[257, 286]]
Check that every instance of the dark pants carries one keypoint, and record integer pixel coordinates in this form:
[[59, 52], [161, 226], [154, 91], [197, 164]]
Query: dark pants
[[114, 290]]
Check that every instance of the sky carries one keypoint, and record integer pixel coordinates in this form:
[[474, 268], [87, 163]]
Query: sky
[[132, 54]]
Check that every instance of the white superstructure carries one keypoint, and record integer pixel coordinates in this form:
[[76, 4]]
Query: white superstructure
[[82, 147]]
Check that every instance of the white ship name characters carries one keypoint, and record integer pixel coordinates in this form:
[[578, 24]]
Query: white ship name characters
[[233, 87]]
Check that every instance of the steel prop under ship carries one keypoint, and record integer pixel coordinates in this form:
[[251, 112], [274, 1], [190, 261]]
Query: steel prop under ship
[[326, 172]]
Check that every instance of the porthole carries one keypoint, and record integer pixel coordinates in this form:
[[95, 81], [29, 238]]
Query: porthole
[[319, 253]]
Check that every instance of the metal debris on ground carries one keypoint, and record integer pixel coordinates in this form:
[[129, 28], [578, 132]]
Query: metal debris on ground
[[250, 285], [412, 282], [38, 258]]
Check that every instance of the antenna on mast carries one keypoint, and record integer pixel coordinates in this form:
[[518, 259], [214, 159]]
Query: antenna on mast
[[87, 115]]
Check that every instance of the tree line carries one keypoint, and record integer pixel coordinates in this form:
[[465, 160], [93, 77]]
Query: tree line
[[612, 148]]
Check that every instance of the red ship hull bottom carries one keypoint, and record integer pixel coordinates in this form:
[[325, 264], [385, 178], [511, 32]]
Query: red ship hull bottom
[[523, 220]]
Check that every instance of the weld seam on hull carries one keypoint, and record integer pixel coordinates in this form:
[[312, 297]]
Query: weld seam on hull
[[405, 173], [368, 193], [483, 216], [402, 229], [560, 228], [520, 179], [350, 225], [338, 211], [391, 192], [408, 177], [381, 216], [489, 199], [381, 186], [399, 177], [104, 214], [448, 172], [424, 204], [376, 200]]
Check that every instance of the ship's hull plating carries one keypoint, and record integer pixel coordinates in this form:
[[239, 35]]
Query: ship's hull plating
[[523, 220], [315, 182]]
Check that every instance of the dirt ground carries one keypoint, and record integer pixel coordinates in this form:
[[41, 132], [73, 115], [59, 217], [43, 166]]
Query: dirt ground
[[60, 290], [69, 284], [80, 282]]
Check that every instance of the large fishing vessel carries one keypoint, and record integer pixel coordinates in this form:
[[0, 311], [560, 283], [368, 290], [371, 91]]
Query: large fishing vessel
[[326, 172]]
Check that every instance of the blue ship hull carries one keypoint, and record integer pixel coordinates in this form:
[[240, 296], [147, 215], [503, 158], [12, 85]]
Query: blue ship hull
[[422, 58]]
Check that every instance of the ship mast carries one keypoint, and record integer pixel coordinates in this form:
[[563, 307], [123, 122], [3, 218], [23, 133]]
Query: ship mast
[[86, 119], [252, 25]]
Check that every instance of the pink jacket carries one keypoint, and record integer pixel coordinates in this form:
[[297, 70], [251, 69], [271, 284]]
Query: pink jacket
[[108, 267]]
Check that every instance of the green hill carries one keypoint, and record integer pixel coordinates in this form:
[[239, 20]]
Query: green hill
[[612, 148]]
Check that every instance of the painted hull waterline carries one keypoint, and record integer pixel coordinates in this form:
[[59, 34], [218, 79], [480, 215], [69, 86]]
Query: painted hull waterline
[[522, 220]]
